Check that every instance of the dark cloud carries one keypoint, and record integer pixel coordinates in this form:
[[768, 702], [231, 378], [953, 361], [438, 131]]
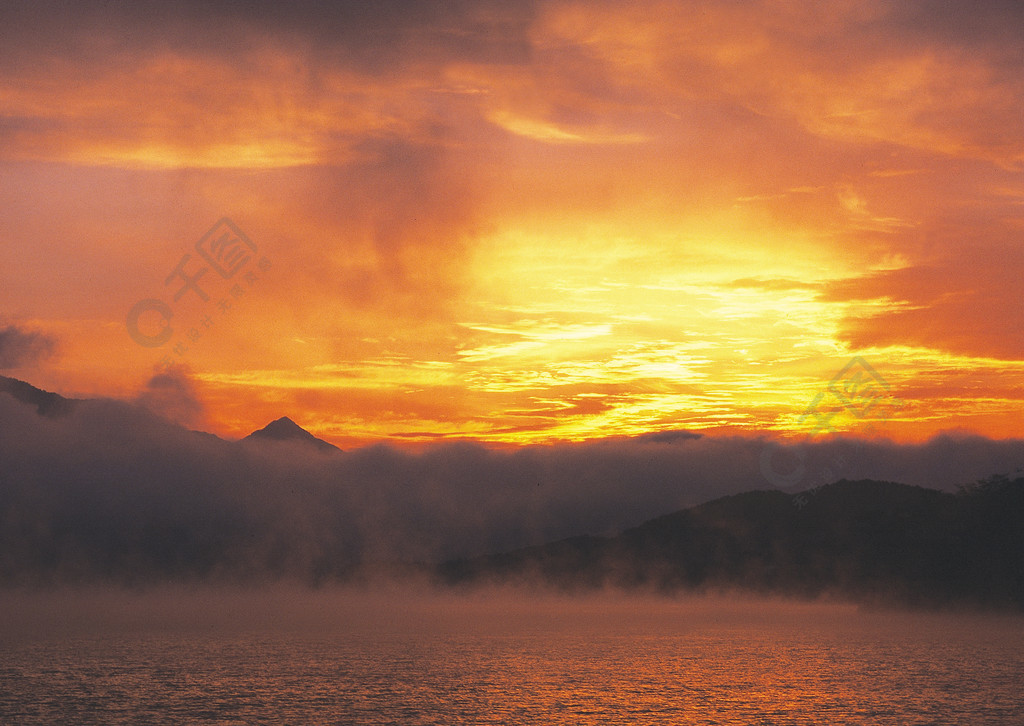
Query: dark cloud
[[172, 395], [380, 37], [668, 437], [964, 23], [23, 348], [112, 492]]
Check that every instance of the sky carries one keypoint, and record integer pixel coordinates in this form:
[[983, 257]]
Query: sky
[[519, 222]]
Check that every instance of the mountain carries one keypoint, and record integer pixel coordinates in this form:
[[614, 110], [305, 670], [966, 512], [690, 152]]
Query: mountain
[[117, 494], [284, 429], [47, 404], [865, 540], [53, 405]]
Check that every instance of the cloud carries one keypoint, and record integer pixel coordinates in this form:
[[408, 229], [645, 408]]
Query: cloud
[[112, 492], [970, 313], [219, 86], [171, 394], [373, 37], [23, 348], [411, 167], [863, 71]]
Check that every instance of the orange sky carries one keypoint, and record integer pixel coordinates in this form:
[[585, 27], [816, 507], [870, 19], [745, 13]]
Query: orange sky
[[524, 222]]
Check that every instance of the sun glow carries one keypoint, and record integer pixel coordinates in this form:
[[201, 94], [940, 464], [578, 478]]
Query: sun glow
[[594, 219]]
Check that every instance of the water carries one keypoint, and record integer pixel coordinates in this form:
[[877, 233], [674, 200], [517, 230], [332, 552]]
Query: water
[[505, 658]]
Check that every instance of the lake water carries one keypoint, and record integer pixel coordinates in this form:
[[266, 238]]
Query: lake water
[[398, 657]]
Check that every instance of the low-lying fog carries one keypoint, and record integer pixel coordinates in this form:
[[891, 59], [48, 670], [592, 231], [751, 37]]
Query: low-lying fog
[[403, 608]]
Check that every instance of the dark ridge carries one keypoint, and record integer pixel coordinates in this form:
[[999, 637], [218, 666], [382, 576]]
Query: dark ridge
[[869, 541], [669, 437], [47, 404], [284, 429]]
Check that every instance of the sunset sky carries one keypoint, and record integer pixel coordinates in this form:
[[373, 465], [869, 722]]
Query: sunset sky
[[521, 222]]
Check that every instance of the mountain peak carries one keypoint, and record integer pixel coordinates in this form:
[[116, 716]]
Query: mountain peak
[[284, 429], [283, 424]]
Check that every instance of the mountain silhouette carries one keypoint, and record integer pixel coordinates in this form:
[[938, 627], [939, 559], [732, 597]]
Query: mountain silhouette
[[47, 404], [116, 493], [865, 540], [284, 429]]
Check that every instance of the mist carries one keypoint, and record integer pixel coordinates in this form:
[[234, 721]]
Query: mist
[[412, 610], [111, 492]]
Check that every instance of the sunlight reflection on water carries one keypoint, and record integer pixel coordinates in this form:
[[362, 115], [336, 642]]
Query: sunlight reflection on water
[[503, 659]]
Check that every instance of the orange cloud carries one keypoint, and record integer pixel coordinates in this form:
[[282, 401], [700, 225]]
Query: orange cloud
[[526, 222]]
